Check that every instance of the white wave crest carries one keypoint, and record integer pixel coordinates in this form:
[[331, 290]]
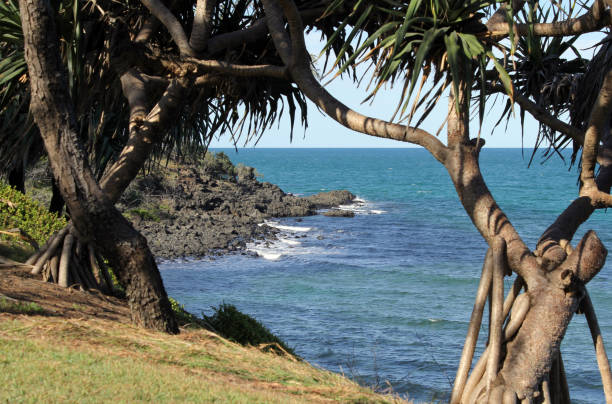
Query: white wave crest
[[289, 228], [268, 255], [289, 242]]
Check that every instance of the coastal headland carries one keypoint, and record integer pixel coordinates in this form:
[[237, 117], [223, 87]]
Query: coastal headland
[[186, 210]]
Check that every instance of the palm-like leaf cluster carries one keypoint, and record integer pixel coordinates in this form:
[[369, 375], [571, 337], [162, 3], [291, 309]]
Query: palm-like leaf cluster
[[437, 41], [547, 70], [432, 45], [18, 137], [95, 38]]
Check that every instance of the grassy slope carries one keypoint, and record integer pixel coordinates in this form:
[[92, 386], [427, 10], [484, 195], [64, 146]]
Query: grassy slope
[[72, 355], [53, 359]]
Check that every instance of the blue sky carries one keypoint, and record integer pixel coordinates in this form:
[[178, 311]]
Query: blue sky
[[324, 132]]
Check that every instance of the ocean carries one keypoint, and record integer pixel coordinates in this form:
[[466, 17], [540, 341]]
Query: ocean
[[385, 297]]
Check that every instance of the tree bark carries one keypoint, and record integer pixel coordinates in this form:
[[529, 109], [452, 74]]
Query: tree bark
[[16, 177], [57, 202], [92, 213]]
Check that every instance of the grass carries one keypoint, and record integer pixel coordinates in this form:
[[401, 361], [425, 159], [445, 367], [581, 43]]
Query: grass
[[51, 359], [17, 307], [15, 249]]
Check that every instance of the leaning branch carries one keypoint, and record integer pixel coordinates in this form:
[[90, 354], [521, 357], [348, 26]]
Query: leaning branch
[[201, 24], [542, 116], [554, 244], [145, 131], [593, 20], [279, 72], [163, 14], [299, 67], [255, 32]]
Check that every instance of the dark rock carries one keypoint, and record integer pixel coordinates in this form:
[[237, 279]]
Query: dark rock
[[200, 215], [339, 213], [327, 200]]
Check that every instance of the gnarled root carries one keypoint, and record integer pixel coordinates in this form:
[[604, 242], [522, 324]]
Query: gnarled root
[[68, 262], [525, 363]]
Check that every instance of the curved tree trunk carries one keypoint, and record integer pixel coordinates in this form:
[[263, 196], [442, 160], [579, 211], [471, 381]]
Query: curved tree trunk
[[523, 367], [93, 214]]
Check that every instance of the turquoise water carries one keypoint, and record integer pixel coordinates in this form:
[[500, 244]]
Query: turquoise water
[[386, 296]]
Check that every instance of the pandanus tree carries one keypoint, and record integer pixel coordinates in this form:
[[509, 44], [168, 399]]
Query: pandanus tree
[[115, 91], [180, 58], [469, 51]]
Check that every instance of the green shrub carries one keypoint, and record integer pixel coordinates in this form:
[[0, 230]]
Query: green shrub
[[19, 211], [183, 316], [242, 328], [218, 165], [144, 214]]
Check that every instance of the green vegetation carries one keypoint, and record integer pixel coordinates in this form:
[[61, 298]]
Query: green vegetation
[[19, 211], [244, 329], [218, 165], [104, 361], [17, 307], [184, 317], [144, 214], [234, 325]]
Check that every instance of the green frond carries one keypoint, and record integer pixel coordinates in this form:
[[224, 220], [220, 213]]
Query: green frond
[[408, 40]]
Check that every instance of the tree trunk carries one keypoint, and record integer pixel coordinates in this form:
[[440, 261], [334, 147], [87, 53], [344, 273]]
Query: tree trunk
[[57, 202], [554, 291], [16, 177], [93, 215]]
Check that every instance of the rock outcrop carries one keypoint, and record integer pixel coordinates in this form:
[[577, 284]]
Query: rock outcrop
[[187, 212]]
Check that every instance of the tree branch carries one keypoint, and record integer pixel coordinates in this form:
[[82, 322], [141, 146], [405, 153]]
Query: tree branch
[[554, 244], [200, 31], [299, 67], [595, 19], [279, 72], [599, 123], [542, 116], [145, 130], [159, 10], [255, 32], [148, 27]]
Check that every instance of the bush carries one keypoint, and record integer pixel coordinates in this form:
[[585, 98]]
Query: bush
[[19, 211], [242, 328], [218, 165], [183, 317]]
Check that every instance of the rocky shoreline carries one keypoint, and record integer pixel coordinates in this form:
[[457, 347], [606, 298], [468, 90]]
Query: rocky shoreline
[[185, 211]]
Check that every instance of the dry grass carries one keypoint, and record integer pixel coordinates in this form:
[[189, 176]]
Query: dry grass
[[55, 359]]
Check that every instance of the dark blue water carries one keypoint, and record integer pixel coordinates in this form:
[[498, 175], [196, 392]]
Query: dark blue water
[[386, 296]]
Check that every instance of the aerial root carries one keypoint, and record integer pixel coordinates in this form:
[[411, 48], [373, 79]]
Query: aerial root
[[41, 259], [600, 350], [558, 388], [480, 386], [476, 386], [546, 399], [67, 261], [473, 328], [496, 312]]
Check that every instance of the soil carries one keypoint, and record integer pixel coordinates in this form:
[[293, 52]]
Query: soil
[[17, 283]]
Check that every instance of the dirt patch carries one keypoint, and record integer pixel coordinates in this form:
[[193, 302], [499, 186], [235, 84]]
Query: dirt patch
[[17, 283]]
